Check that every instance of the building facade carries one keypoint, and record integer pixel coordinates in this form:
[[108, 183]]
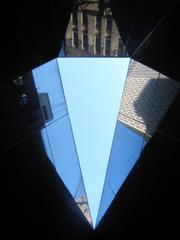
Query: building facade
[[146, 98], [93, 32], [82, 203]]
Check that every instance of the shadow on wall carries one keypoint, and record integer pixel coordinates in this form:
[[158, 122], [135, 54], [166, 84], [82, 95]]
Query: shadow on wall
[[154, 100]]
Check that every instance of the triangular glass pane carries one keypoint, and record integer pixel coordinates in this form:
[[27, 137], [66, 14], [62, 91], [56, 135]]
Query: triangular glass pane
[[126, 148], [57, 134], [146, 98], [50, 91], [106, 199], [92, 31], [82, 202], [93, 90]]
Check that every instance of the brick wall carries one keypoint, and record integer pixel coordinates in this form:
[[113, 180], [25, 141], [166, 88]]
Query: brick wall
[[146, 98]]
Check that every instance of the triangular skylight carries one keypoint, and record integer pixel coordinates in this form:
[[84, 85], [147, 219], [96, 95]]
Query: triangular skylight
[[93, 90], [99, 114]]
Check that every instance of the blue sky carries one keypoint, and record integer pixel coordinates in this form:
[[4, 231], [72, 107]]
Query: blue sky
[[93, 89]]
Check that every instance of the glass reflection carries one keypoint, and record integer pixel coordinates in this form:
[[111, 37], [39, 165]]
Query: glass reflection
[[50, 91], [125, 151], [57, 134], [146, 98], [92, 31], [82, 202], [36, 101]]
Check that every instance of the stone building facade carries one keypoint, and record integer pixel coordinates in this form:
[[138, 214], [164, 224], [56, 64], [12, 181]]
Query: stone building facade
[[93, 32], [146, 98], [82, 203]]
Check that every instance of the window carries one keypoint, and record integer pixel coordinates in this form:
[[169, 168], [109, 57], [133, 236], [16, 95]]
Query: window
[[108, 25], [98, 22], [84, 19], [84, 41], [75, 42], [98, 44], [108, 46], [45, 113], [74, 18]]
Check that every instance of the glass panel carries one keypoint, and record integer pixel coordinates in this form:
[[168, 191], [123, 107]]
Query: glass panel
[[106, 199], [93, 104], [47, 144], [146, 98], [57, 135], [82, 201], [50, 91], [64, 152], [125, 152]]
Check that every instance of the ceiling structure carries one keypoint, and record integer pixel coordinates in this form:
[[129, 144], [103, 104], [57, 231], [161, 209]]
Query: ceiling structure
[[37, 199]]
